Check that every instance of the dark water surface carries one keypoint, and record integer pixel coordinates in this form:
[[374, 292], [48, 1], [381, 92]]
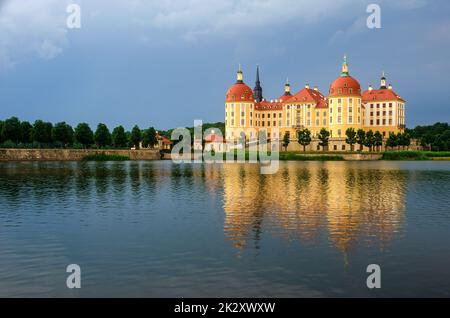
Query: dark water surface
[[159, 229]]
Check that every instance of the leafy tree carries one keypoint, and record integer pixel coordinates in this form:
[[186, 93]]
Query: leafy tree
[[360, 138], [404, 139], [436, 137], [351, 137], [304, 137], [324, 136], [378, 140], [62, 134], [370, 139], [286, 140], [84, 135], [102, 136], [149, 138], [11, 130], [136, 136], [129, 141], [2, 123], [42, 132], [392, 141], [26, 132], [119, 137]]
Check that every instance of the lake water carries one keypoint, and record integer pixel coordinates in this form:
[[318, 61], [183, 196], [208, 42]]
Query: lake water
[[156, 229]]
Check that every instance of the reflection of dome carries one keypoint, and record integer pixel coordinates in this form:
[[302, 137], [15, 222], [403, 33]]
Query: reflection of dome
[[239, 92]]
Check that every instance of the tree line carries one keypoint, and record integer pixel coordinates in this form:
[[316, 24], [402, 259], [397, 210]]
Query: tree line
[[434, 137], [369, 139], [22, 134]]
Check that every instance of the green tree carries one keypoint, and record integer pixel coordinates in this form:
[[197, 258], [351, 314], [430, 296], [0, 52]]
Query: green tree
[[2, 123], [136, 136], [42, 132], [149, 138], [119, 137], [378, 140], [102, 136], [286, 140], [11, 130], [370, 139], [360, 138], [403, 139], [26, 132], [324, 136], [392, 141], [129, 141], [62, 134], [304, 137], [351, 137], [84, 135]]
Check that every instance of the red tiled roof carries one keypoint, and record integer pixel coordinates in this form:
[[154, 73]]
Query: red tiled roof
[[284, 97], [342, 85], [308, 95], [213, 138], [380, 95], [164, 139], [239, 92], [269, 105]]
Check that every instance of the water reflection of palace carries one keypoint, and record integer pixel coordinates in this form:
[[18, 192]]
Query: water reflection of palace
[[345, 202]]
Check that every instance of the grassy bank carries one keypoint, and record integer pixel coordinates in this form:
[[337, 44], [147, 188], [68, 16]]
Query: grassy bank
[[293, 155], [415, 155], [105, 157], [310, 157]]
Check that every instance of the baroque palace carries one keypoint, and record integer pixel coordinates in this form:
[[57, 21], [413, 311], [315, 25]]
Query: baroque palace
[[346, 106]]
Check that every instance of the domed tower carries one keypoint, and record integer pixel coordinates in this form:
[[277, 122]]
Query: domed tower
[[239, 108], [344, 102]]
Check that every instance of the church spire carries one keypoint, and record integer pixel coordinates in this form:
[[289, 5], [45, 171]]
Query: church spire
[[257, 91], [344, 67]]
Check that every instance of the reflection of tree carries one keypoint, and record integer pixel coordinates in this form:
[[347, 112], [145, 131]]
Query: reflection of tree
[[350, 202]]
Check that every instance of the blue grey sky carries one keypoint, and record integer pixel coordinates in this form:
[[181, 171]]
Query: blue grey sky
[[166, 63]]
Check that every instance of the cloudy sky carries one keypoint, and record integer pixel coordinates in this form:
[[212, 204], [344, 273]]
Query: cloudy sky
[[165, 63]]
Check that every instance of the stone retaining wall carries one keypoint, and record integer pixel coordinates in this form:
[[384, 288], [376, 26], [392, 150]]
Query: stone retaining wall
[[72, 154]]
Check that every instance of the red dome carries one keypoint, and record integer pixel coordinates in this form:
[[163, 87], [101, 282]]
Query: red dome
[[345, 86], [239, 92]]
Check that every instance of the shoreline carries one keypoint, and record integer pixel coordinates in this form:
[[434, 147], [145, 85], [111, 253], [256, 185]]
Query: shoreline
[[14, 155]]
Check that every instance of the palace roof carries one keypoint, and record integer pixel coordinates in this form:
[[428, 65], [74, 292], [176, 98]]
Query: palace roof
[[308, 95], [380, 95], [239, 92]]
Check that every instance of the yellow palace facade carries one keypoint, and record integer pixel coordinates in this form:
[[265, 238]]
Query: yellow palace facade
[[345, 106]]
